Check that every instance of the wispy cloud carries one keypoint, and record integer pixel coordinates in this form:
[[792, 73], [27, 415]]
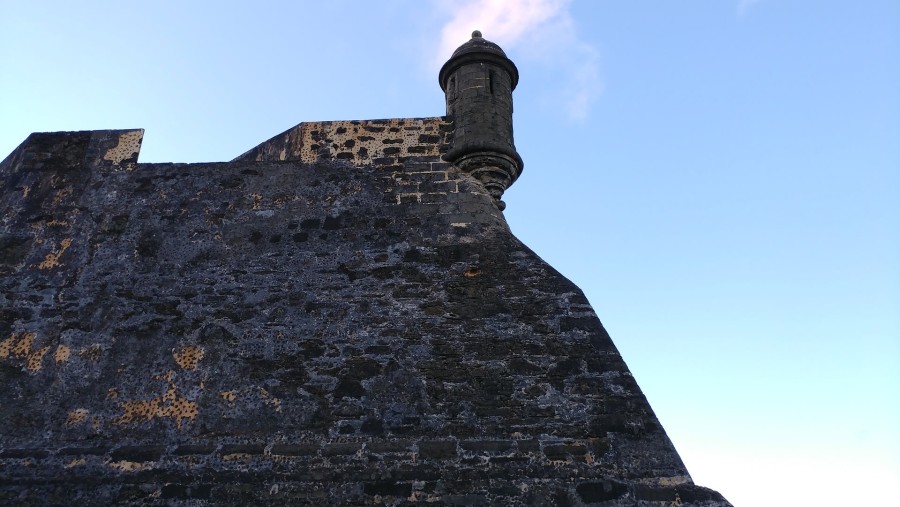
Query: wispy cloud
[[502, 21], [537, 31], [744, 6]]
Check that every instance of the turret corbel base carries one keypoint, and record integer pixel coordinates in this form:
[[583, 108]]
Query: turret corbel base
[[494, 170]]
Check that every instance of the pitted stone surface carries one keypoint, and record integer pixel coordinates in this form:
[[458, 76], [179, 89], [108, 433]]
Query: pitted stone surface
[[302, 332], [360, 141], [339, 316]]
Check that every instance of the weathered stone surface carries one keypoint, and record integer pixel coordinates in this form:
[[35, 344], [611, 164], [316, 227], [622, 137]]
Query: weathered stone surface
[[310, 324], [360, 141], [286, 331]]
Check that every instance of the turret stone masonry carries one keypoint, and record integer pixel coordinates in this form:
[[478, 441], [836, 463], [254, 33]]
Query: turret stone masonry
[[478, 82], [339, 316]]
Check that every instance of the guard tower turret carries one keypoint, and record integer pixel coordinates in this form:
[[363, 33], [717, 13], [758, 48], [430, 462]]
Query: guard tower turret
[[478, 81]]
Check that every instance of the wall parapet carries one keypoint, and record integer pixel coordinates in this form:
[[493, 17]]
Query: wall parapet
[[360, 141]]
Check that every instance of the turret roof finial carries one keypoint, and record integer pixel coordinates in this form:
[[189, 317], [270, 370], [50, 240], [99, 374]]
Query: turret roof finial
[[478, 49]]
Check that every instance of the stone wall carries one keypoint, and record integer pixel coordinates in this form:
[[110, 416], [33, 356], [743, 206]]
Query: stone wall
[[360, 141], [314, 330]]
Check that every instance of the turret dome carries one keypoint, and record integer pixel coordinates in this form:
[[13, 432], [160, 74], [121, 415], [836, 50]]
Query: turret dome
[[478, 44], [478, 49]]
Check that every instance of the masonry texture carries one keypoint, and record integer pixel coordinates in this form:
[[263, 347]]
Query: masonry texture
[[337, 317]]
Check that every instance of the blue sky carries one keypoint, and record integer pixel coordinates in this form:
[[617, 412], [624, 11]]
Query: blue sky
[[719, 176]]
